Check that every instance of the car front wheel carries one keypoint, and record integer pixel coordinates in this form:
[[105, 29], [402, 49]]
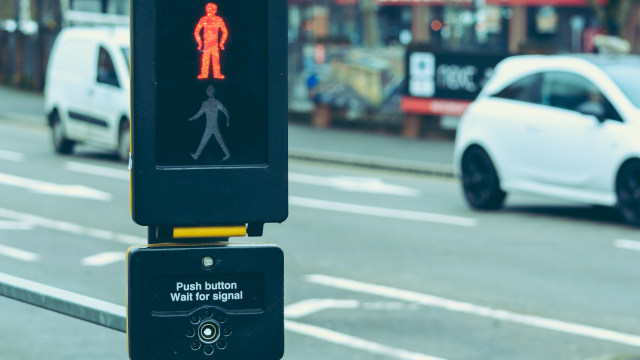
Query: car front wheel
[[124, 141], [480, 181], [628, 192], [61, 144]]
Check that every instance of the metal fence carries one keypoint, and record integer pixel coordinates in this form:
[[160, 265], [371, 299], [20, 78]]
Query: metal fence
[[64, 302]]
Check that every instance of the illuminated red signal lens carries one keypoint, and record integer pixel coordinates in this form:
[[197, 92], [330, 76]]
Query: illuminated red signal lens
[[210, 26]]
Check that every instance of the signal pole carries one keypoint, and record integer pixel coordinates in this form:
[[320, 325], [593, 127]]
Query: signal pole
[[204, 70]]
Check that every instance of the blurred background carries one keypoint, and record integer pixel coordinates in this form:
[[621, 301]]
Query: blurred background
[[349, 59], [384, 258]]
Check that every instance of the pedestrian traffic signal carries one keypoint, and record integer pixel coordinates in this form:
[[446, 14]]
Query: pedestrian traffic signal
[[209, 132]]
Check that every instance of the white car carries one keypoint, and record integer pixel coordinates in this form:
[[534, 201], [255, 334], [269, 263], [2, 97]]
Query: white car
[[562, 126], [87, 89]]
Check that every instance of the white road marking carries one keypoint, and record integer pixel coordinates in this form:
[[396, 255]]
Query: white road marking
[[97, 170], [382, 212], [355, 184], [43, 187], [73, 228], [627, 244], [11, 156], [105, 258], [478, 310], [310, 306], [18, 254], [15, 225], [354, 342], [322, 204], [389, 306]]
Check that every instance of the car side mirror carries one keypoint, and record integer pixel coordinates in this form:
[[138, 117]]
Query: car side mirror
[[593, 108]]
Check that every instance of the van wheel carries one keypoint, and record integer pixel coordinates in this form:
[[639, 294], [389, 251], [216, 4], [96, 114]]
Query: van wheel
[[61, 143], [480, 181], [124, 142], [628, 192]]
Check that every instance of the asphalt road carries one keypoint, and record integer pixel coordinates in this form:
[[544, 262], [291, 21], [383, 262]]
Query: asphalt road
[[378, 265]]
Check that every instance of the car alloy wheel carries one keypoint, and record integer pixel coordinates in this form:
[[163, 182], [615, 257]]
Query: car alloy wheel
[[628, 191], [480, 181]]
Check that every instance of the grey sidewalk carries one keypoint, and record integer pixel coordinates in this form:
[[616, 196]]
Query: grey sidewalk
[[348, 147]]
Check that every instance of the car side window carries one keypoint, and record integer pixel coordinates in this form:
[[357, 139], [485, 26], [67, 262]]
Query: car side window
[[526, 89], [106, 71], [573, 92]]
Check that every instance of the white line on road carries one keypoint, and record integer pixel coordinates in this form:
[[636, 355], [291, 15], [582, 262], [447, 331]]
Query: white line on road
[[73, 228], [358, 184], [355, 184], [15, 225], [310, 306], [312, 203], [11, 156], [479, 310], [97, 170], [43, 187], [354, 342], [382, 212], [627, 244], [103, 259], [18, 254]]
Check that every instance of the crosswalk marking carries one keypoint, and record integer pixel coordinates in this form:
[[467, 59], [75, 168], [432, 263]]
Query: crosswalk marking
[[104, 258], [48, 188], [382, 212], [310, 306], [354, 342], [18, 254], [15, 225], [73, 228], [11, 156], [473, 309], [97, 170], [354, 184], [627, 244]]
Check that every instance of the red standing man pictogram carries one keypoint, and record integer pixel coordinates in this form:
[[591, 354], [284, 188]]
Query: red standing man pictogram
[[212, 25]]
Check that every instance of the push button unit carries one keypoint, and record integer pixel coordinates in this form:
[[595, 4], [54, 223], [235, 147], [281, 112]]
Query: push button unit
[[209, 332]]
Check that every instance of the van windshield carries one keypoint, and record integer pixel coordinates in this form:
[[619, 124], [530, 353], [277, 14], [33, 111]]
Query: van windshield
[[125, 52]]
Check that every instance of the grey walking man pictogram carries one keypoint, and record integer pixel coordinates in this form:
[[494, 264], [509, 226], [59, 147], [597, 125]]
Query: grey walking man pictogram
[[210, 108]]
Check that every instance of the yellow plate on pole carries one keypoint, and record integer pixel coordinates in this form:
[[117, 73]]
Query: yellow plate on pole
[[210, 232]]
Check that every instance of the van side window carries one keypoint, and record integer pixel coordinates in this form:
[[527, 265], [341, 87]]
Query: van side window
[[106, 70]]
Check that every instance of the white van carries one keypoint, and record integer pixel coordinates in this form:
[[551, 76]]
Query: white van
[[87, 89]]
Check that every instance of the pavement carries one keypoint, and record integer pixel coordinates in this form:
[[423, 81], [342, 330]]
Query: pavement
[[337, 146]]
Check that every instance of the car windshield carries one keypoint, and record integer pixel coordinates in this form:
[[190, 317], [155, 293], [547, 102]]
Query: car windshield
[[627, 77], [125, 51]]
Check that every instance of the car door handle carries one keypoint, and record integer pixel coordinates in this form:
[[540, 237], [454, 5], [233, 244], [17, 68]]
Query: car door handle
[[90, 92], [532, 128]]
